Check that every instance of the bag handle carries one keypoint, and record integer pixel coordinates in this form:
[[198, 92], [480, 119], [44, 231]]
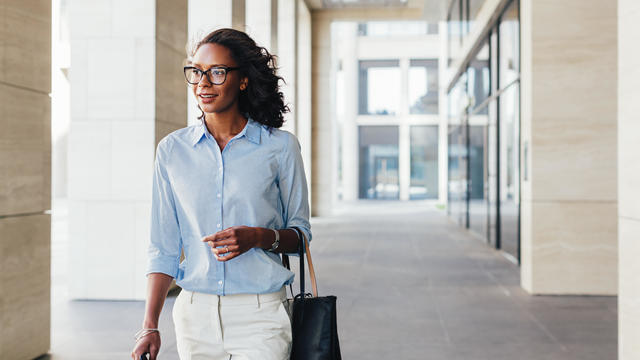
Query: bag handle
[[303, 248]]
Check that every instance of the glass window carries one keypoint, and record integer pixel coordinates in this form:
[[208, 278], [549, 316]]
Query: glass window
[[432, 28], [474, 9], [492, 173], [379, 87], [509, 168], [509, 45], [423, 87], [457, 100], [454, 31], [457, 186], [465, 17], [478, 211], [479, 79], [424, 162], [457, 153], [396, 28], [378, 177]]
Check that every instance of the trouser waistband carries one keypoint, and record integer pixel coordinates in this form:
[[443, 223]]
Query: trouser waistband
[[235, 299]]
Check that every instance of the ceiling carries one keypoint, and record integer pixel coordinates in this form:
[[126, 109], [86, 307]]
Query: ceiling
[[433, 10]]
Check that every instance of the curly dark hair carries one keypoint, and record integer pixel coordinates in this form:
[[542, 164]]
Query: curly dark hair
[[262, 100]]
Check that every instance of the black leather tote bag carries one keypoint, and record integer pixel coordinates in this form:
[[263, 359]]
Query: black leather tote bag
[[313, 317]]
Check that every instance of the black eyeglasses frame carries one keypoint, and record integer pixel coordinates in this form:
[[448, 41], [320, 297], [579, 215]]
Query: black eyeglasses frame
[[207, 73]]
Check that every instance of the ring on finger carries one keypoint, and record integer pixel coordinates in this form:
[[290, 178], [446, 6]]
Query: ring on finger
[[226, 249]]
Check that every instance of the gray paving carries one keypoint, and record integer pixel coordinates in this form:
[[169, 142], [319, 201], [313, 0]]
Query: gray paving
[[410, 285]]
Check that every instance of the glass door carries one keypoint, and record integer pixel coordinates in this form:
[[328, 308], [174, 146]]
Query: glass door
[[378, 175]]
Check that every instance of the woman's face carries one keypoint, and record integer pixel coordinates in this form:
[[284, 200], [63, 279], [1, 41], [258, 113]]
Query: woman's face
[[217, 98]]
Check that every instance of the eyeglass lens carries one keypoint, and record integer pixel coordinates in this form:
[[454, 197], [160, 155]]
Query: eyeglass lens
[[216, 76]]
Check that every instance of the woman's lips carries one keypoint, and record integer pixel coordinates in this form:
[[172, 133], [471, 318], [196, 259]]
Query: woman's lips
[[207, 98]]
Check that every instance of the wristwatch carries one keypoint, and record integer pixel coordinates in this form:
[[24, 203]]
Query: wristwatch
[[276, 242]]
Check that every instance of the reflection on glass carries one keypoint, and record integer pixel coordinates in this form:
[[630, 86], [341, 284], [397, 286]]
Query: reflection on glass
[[474, 9], [492, 173], [378, 162], [509, 45], [465, 17], [423, 86], [483, 151], [457, 153], [424, 162], [457, 100], [457, 187], [379, 87], [454, 31], [509, 169], [479, 79], [478, 210]]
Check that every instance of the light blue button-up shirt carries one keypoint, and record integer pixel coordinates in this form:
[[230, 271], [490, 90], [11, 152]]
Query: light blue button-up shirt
[[257, 180]]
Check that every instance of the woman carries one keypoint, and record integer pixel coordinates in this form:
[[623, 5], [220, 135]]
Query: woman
[[228, 192]]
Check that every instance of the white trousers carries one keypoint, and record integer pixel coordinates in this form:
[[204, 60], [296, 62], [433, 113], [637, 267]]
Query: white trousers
[[238, 327]]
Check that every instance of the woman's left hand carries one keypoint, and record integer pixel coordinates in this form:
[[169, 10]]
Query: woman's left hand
[[231, 242]]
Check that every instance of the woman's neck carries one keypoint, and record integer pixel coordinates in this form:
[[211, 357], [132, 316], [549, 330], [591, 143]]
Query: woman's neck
[[224, 126]]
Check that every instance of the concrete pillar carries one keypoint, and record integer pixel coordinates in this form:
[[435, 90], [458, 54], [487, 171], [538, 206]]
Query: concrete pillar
[[323, 153], [260, 20], [287, 54], [303, 87], [128, 92], [628, 179], [238, 14], [25, 178], [404, 141], [569, 197], [443, 129], [348, 48]]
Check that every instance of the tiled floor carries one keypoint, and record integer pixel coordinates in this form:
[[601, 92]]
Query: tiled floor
[[410, 285]]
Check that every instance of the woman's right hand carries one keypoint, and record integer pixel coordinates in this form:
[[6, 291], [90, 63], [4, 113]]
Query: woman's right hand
[[149, 344]]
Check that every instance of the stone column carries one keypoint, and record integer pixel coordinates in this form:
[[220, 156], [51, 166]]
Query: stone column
[[322, 181], [262, 22], [568, 155], [25, 178], [128, 92], [348, 47], [443, 129], [303, 87], [628, 179], [287, 61]]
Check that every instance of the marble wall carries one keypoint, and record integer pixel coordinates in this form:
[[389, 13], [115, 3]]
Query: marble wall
[[127, 93], [628, 179], [569, 114], [25, 178]]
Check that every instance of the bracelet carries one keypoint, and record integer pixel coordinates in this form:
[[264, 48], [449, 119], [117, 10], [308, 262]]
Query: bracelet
[[144, 332], [276, 242]]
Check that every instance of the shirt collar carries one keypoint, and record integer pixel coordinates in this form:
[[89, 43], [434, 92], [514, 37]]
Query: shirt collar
[[251, 131]]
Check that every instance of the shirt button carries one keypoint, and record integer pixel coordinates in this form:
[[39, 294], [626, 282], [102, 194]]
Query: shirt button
[[220, 282], [218, 225], [219, 195]]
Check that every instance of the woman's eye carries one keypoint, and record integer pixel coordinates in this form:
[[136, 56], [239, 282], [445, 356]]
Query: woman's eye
[[217, 72]]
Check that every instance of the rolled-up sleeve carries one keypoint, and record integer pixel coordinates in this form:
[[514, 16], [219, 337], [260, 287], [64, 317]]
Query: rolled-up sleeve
[[293, 188], [166, 243]]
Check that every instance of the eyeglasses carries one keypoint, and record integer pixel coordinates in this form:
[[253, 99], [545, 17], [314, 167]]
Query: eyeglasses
[[215, 75]]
